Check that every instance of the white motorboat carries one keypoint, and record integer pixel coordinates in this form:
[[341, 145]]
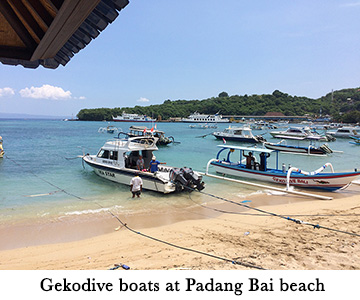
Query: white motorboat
[[227, 162], [298, 133], [344, 132], [239, 134], [116, 161], [202, 118], [133, 118]]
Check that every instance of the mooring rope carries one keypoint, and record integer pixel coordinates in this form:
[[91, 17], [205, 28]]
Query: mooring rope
[[297, 221], [235, 262]]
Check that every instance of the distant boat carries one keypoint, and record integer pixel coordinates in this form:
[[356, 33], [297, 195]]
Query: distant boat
[[344, 132], [309, 150], [202, 118], [260, 171], [143, 131], [132, 118], [239, 134], [297, 133], [355, 140], [108, 129]]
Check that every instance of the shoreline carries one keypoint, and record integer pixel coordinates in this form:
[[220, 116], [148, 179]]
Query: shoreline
[[241, 235]]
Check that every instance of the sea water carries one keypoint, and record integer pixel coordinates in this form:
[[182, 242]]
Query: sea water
[[42, 177]]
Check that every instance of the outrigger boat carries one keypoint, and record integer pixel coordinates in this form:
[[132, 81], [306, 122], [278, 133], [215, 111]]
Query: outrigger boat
[[260, 171], [2, 152], [305, 150], [116, 161], [355, 140]]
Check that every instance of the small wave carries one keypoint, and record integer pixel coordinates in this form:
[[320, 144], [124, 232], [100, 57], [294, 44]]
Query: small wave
[[91, 211]]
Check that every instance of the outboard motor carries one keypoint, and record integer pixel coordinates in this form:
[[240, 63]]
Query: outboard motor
[[186, 177], [177, 177]]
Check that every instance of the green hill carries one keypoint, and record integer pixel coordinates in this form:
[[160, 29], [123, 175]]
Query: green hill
[[342, 105]]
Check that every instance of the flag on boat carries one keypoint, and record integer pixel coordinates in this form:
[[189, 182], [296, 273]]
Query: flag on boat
[[152, 129], [145, 130], [224, 141]]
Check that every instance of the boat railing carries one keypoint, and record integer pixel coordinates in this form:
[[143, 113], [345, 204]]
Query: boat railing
[[293, 169]]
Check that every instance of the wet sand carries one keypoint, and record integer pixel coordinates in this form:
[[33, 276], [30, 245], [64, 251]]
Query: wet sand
[[203, 237]]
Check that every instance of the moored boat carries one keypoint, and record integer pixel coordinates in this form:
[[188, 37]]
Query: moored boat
[[299, 133], [344, 132], [160, 138], [297, 149], [132, 118], [117, 161], [204, 118], [239, 134], [260, 171]]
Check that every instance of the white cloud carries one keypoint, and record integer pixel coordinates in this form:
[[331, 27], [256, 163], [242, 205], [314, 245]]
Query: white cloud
[[45, 92], [6, 92], [142, 99]]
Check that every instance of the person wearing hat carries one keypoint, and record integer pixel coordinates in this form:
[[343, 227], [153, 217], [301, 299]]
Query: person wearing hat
[[154, 164], [136, 184]]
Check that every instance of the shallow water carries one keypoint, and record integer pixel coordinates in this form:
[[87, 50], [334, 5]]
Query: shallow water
[[40, 176]]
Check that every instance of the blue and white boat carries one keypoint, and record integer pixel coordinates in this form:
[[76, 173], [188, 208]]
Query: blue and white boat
[[228, 163]]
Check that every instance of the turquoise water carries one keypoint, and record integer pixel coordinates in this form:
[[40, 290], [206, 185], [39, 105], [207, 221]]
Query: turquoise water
[[40, 176]]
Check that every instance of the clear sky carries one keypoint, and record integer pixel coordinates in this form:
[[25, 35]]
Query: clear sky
[[195, 49]]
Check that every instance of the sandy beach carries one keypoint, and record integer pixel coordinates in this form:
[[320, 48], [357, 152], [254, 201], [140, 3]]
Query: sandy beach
[[234, 239]]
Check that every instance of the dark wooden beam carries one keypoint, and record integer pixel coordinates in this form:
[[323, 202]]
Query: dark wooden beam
[[17, 25], [28, 18], [41, 12], [70, 16]]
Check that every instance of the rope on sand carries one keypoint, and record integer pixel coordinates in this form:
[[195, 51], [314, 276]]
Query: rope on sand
[[317, 226], [235, 262]]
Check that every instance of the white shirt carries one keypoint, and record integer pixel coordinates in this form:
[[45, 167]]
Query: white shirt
[[136, 183]]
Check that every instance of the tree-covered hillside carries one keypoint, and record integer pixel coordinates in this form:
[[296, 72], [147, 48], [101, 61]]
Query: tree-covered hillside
[[342, 105]]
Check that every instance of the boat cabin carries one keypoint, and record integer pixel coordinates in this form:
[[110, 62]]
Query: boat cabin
[[125, 154], [249, 157]]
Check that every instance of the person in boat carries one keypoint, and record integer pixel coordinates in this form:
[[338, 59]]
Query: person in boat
[[263, 158], [140, 164], [250, 160], [136, 184], [154, 164]]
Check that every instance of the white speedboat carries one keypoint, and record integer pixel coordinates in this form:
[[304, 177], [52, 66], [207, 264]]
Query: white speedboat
[[344, 132], [297, 133], [229, 162], [239, 134], [116, 161], [133, 118], [202, 118]]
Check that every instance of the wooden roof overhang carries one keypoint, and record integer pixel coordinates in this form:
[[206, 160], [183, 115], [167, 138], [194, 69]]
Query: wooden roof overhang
[[50, 32]]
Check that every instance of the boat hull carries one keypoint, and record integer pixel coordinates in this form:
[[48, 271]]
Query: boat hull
[[124, 176], [295, 149], [327, 181], [234, 138]]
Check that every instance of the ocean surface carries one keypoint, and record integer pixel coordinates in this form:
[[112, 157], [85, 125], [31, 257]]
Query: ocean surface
[[41, 176]]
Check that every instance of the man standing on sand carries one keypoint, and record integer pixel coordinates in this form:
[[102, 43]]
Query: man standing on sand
[[136, 184]]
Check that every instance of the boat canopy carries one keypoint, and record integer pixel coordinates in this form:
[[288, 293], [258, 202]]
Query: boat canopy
[[252, 149]]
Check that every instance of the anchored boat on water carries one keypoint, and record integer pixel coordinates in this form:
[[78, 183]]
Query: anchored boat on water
[[239, 134], [117, 161], [2, 152], [297, 149], [143, 131], [227, 163]]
